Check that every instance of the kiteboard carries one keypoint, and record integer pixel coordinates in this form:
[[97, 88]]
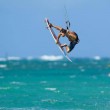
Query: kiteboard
[[55, 38]]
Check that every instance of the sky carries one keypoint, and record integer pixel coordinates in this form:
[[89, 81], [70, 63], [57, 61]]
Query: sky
[[23, 31]]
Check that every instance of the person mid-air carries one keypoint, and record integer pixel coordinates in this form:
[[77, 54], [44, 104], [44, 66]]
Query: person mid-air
[[72, 37]]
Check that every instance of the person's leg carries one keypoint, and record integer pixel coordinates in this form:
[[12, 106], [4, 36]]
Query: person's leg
[[71, 46], [67, 49], [66, 46]]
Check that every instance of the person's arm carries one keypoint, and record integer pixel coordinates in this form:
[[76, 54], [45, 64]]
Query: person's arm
[[59, 35], [57, 27]]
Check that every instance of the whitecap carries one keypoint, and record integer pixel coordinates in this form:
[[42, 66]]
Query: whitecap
[[43, 82], [29, 58], [81, 68], [3, 66], [64, 64], [102, 92], [51, 58], [13, 58], [72, 76], [17, 83], [51, 89], [4, 88], [2, 59], [108, 74], [97, 58]]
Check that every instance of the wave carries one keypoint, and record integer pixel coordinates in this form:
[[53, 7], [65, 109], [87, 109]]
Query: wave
[[3, 66], [2, 59], [44, 58], [51, 58], [13, 58], [17, 83], [108, 74], [43, 82], [23, 108], [10, 58], [51, 89], [16, 58], [4, 88], [97, 58], [30, 58]]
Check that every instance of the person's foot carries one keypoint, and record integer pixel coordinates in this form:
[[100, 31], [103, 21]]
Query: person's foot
[[63, 45], [68, 50]]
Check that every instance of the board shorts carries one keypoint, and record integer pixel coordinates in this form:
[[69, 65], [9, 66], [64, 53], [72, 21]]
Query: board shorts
[[72, 45]]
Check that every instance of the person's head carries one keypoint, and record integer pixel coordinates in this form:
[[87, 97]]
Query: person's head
[[63, 34]]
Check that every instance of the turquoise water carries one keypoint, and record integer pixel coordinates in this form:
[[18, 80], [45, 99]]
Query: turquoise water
[[55, 85]]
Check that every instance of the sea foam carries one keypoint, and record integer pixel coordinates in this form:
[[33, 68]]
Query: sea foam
[[51, 58], [13, 58], [2, 59], [3, 65], [97, 58]]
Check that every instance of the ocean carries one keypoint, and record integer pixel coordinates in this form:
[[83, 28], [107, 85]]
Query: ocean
[[53, 83]]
